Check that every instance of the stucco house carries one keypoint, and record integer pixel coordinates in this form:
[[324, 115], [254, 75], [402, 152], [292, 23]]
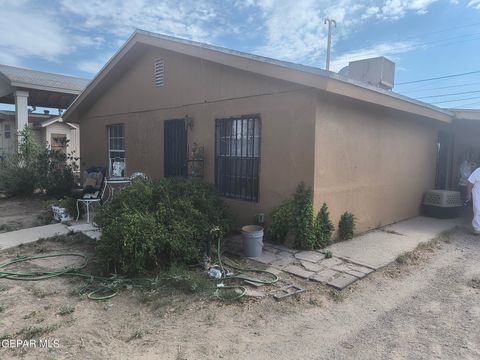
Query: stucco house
[[263, 126]]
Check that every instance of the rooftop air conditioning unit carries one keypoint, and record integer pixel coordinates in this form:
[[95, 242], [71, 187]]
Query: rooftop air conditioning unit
[[377, 71]]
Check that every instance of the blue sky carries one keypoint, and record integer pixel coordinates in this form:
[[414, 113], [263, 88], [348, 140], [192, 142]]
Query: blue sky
[[425, 38]]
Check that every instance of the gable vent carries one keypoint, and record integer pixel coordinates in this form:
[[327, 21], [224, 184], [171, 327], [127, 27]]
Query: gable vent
[[159, 73]]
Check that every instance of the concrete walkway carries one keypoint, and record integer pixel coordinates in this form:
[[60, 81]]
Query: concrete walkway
[[380, 247], [354, 259], [24, 236]]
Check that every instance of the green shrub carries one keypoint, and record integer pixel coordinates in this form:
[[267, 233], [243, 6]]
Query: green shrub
[[54, 173], [34, 167], [297, 216], [346, 226], [154, 224], [324, 227], [17, 171], [280, 224]]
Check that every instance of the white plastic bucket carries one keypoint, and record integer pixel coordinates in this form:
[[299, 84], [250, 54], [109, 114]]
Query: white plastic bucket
[[252, 240]]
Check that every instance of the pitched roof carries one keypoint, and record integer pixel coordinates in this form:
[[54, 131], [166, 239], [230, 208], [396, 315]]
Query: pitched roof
[[304, 75], [27, 78]]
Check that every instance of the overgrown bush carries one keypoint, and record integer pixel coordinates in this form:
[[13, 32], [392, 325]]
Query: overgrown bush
[[35, 167], [346, 226], [18, 171], [324, 227], [153, 224], [296, 216]]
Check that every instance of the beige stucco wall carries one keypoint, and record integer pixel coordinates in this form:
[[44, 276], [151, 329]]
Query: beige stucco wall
[[205, 91], [371, 161]]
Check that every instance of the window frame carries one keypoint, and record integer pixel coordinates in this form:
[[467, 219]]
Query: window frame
[[110, 150], [237, 173], [7, 134]]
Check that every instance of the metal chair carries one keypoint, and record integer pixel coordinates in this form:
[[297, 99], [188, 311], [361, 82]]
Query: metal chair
[[90, 199]]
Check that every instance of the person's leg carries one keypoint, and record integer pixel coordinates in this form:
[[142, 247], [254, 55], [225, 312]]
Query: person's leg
[[476, 214]]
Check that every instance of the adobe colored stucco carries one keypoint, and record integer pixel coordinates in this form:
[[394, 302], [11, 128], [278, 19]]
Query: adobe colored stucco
[[371, 161], [206, 91], [356, 156]]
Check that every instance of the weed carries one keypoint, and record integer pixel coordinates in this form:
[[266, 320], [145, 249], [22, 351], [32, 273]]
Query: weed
[[406, 258], [315, 302], [138, 334], [66, 309], [2, 308], [7, 227], [42, 293], [31, 315], [328, 254], [337, 295], [37, 331], [4, 288]]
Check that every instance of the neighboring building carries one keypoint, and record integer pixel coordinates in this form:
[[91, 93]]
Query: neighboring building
[[264, 125], [49, 130], [24, 88]]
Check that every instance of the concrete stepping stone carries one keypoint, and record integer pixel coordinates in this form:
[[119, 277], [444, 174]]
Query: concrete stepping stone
[[311, 266], [282, 260], [282, 248], [311, 256], [274, 271], [267, 257], [360, 268], [328, 263], [298, 271], [325, 276], [342, 281]]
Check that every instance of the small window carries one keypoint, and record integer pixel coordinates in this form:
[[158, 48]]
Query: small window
[[237, 156], [116, 151], [59, 142], [159, 73], [7, 131]]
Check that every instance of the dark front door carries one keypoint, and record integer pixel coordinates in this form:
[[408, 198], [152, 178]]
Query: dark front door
[[175, 148]]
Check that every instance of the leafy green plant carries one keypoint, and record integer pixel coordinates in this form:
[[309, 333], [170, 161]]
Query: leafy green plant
[[297, 216], [346, 226], [17, 171], [324, 227], [154, 224], [328, 254], [36, 167]]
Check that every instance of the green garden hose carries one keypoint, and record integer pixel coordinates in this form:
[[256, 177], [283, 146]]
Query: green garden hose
[[115, 283], [240, 290], [69, 271]]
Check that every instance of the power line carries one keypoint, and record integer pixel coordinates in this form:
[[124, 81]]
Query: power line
[[470, 104], [412, 47], [440, 77], [440, 87], [451, 94], [449, 101]]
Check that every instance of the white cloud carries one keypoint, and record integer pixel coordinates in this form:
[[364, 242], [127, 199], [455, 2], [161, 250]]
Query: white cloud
[[384, 49], [396, 9], [184, 19], [474, 4], [32, 33]]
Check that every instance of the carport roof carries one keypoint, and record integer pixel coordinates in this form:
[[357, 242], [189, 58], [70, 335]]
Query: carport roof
[[44, 89], [32, 79]]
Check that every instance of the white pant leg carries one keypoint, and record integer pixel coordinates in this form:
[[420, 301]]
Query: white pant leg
[[476, 212]]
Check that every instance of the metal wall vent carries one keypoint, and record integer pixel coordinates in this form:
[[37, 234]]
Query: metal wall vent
[[159, 73]]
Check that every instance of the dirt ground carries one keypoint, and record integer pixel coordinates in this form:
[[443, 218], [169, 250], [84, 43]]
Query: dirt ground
[[426, 306], [20, 213]]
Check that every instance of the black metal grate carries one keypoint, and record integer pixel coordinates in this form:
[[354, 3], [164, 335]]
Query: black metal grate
[[175, 148], [237, 156]]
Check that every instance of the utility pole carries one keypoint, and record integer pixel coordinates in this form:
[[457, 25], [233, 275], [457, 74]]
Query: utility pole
[[329, 41]]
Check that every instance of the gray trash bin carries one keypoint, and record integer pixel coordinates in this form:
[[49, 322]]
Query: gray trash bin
[[252, 240]]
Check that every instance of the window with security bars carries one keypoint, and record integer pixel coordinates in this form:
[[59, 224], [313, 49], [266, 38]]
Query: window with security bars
[[116, 151], [237, 156]]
